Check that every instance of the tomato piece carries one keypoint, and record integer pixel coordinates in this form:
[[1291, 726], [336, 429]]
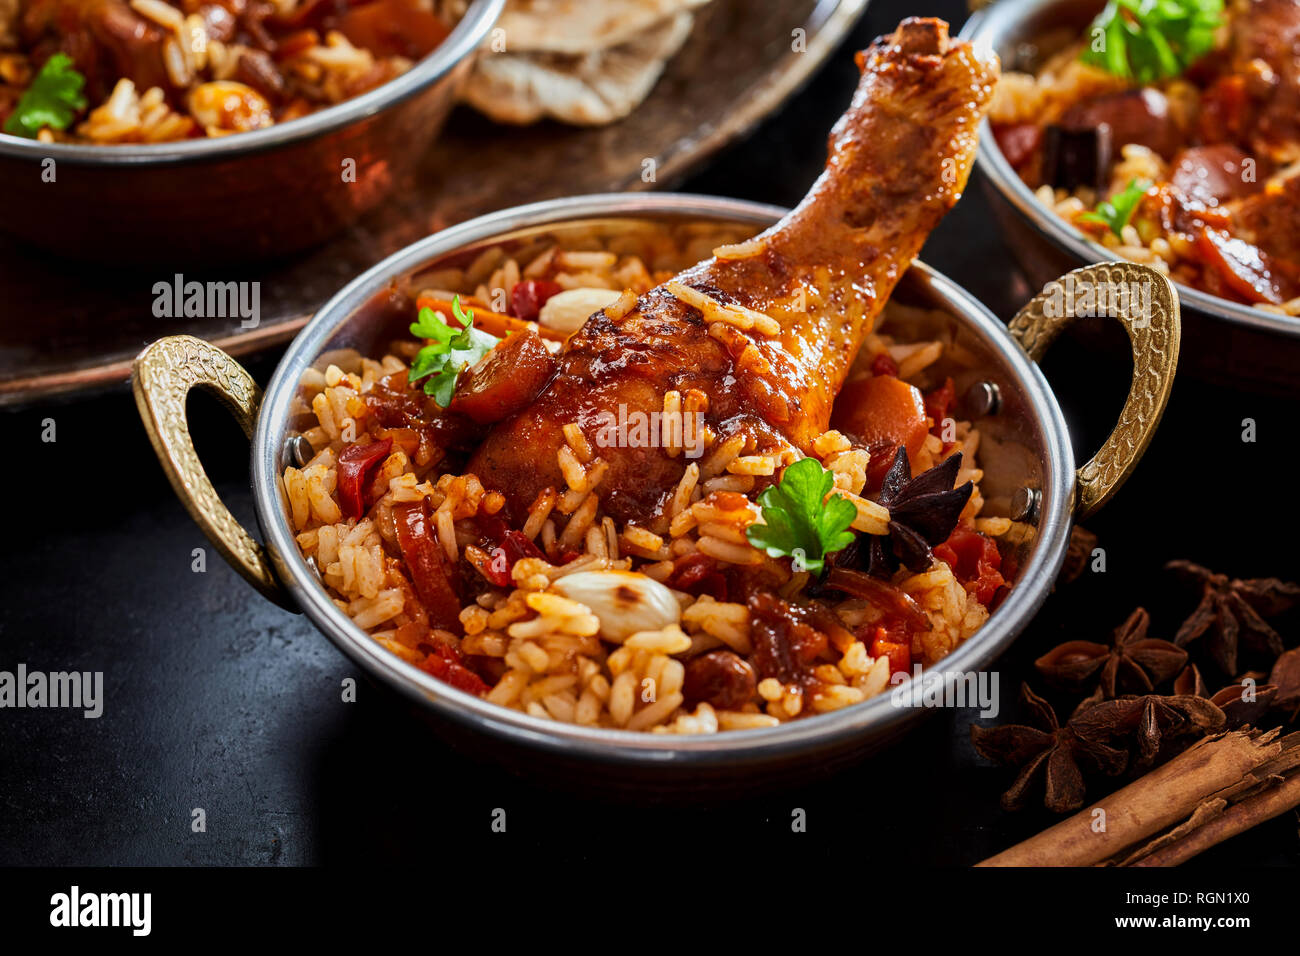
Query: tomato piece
[[698, 574], [899, 654], [446, 664], [937, 404], [884, 364], [406, 440], [528, 297], [393, 28], [882, 412], [356, 464], [1017, 141], [1224, 110], [1246, 270], [427, 564], [975, 561], [504, 381], [514, 546]]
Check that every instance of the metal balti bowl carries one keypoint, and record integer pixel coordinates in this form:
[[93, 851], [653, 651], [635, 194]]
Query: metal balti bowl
[[1025, 453], [1228, 341], [267, 192]]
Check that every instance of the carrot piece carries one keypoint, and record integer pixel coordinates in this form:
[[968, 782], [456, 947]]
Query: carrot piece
[[493, 323]]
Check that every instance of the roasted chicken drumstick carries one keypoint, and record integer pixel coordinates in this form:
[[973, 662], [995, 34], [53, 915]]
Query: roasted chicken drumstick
[[776, 322]]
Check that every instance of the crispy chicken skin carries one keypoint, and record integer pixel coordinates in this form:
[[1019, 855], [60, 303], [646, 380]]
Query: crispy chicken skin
[[899, 159]]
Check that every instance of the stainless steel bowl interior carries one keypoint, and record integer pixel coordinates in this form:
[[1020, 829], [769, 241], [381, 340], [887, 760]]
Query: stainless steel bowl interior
[[1024, 33], [464, 38], [1026, 442]]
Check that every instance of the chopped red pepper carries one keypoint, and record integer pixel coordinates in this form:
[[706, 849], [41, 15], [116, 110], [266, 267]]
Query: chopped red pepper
[[975, 561], [356, 464], [502, 559], [528, 297], [427, 564]]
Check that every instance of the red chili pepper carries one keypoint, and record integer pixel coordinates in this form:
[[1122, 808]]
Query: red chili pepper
[[356, 465], [427, 564], [502, 559], [975, 561], [528, 297]]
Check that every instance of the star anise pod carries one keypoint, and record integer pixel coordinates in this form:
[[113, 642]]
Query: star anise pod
[[1190, 682], [1285, 676], [1133, 663], [923, 512], [1244, 702], [1233, 613], [1048, 750], [1152, 726]]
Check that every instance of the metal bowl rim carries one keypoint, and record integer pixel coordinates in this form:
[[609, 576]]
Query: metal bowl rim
[[988, 26], [461, 42], [862, 721]]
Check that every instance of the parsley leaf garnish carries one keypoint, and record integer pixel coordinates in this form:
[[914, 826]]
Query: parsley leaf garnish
[[801, 522], [450, 351], [52, 99], [1115, 213], [1149, 40]]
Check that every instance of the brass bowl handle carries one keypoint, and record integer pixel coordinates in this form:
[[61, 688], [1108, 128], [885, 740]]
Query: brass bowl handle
[[1145, 302], [161, 377]]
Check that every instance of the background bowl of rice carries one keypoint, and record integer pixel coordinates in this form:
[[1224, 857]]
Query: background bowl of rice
[[249, 196], [1227, 341], [1024, 443]]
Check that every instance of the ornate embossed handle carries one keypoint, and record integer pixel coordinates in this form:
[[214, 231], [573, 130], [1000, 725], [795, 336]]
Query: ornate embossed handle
[[162, 377], [1145, 302]]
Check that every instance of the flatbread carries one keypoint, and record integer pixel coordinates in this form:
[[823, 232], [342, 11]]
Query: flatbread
[[583, 26], [586, 90]]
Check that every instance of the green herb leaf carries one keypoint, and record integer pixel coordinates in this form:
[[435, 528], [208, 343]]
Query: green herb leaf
[[800, 520], [450, 350], [52, 100], [1149, 40], [1116, 212]]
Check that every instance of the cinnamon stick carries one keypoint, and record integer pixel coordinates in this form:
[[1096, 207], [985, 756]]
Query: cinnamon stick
[[1153, 803], [1236, 819]]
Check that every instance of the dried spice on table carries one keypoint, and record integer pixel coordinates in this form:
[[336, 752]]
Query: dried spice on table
[[1245, 702], [1232, 616], [1132, 663], [1151, 727], [1285, 676], [1047, 749]]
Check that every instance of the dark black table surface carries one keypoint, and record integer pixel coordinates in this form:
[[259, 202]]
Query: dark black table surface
[[216, 699]]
